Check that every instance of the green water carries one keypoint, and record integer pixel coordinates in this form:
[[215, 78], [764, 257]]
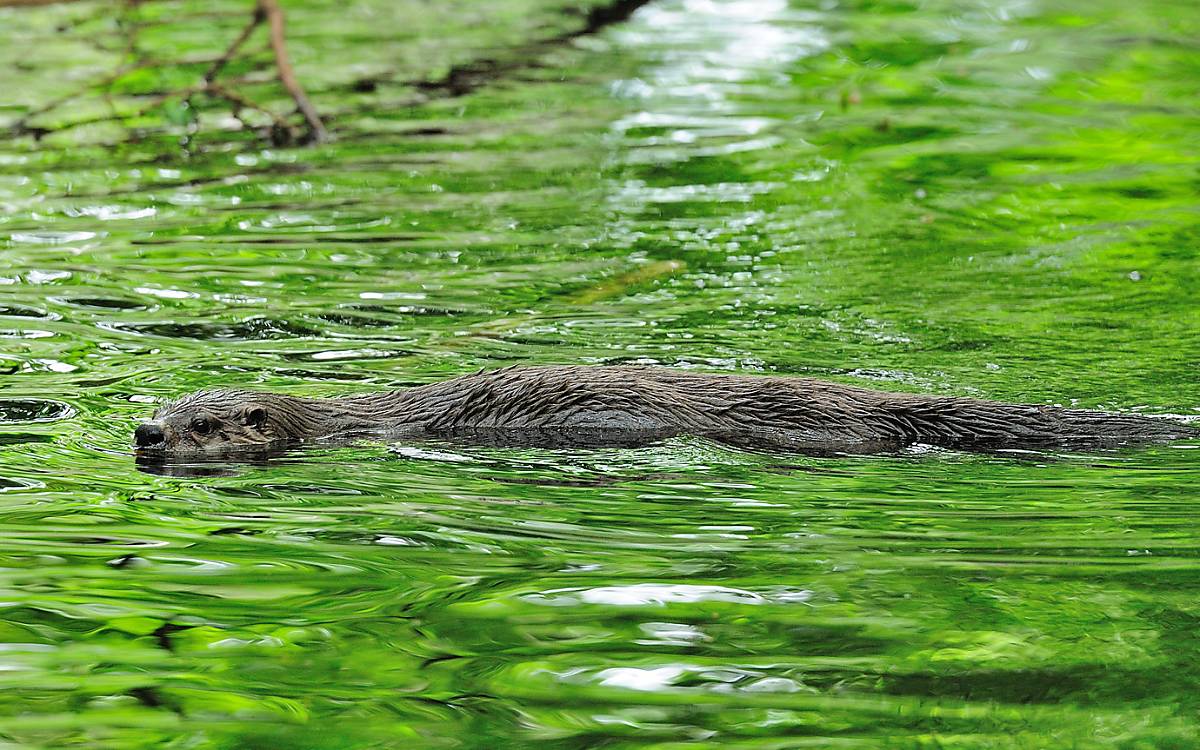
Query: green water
[[977, 197]]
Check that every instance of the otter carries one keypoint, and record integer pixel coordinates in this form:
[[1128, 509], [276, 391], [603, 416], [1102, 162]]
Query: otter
[[606, 406]]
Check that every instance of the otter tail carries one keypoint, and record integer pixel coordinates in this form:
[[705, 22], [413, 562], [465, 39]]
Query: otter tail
[[958, 421], [1117, 426]]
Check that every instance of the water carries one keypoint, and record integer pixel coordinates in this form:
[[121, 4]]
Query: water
[[964, 197]]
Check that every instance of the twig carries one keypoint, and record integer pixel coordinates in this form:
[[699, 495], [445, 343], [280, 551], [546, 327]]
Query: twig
[[287, 76], [211, 74], [21, 125], [281, 131]]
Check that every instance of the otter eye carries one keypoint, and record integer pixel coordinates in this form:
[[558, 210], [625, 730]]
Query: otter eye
[[202, 425]]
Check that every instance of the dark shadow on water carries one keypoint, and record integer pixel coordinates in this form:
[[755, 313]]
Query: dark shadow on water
[[250, 329], [229, 464], [101, 303], [169, 468], [33, 410], [23, 438]]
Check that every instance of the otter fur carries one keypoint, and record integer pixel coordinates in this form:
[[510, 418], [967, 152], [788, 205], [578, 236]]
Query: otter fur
[[581, 405]]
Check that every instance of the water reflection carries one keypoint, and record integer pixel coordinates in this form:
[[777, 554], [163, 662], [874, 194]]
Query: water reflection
[[707, 57]]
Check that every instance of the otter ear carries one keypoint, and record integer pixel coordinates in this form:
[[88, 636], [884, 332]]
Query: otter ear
[[254, 415]]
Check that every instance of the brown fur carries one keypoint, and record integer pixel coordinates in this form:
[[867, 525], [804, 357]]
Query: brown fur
[[619, 405]]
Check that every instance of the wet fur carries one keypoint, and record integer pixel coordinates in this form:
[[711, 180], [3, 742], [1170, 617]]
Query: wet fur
[[627, 406]]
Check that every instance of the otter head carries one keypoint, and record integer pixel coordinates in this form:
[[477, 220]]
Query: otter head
[[216, 421]]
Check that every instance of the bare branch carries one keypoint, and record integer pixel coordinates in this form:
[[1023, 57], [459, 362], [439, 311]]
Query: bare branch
[[287, 76], [265, 12], [281, 131], [461, 79], [211, 74]]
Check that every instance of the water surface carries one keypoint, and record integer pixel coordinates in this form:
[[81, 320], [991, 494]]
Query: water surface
[[970, 197]]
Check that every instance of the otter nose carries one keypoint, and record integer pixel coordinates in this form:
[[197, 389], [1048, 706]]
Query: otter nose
[[148, 434]]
